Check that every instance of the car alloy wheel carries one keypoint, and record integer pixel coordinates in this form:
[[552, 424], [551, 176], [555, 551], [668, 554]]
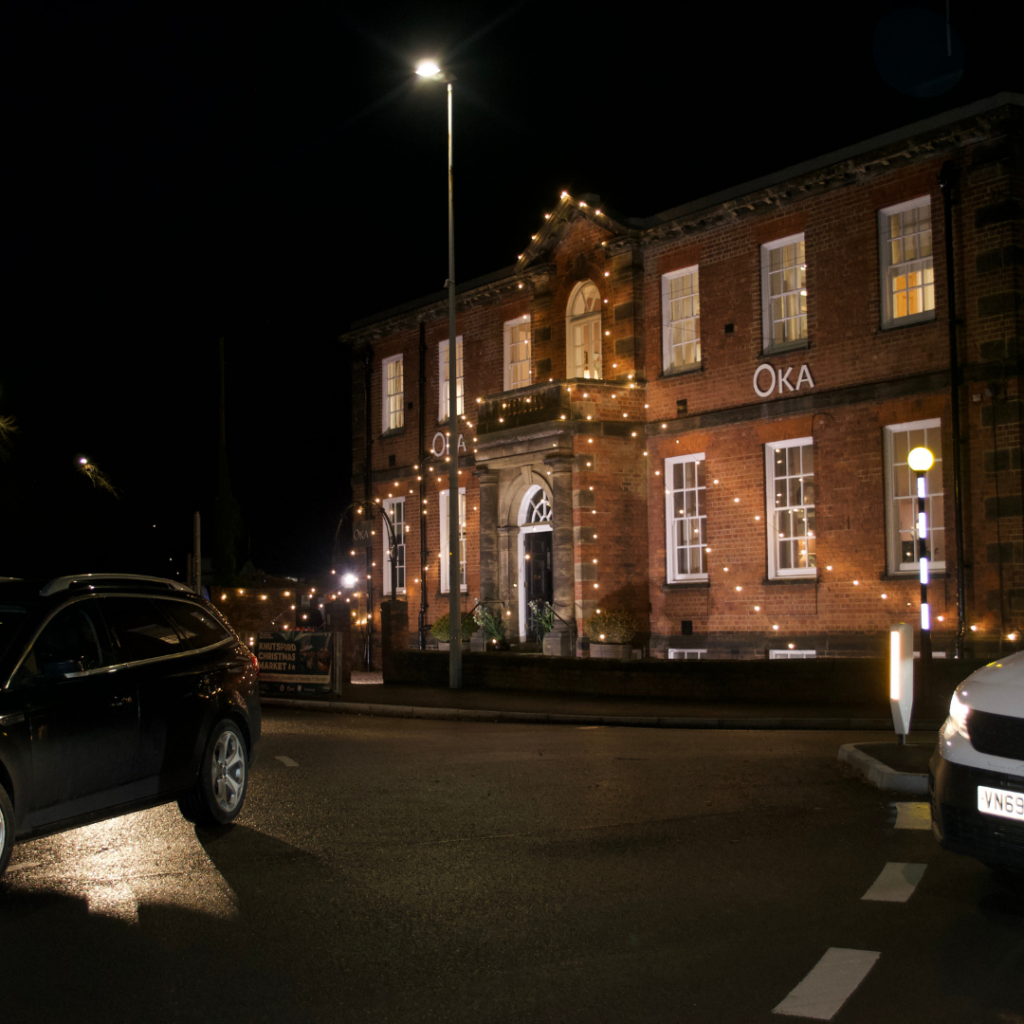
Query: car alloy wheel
[[6, 829], [227, 770]]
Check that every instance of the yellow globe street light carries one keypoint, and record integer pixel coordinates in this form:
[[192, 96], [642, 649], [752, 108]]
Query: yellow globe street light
[[920, 459]]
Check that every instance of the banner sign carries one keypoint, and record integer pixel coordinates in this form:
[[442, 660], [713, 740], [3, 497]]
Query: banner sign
[[362, 533], [294, 662]]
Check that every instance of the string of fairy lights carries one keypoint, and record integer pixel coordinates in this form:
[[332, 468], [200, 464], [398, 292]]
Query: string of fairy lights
[[603, 393]]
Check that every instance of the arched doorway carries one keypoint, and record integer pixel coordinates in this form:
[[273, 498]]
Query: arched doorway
[[535, 564]]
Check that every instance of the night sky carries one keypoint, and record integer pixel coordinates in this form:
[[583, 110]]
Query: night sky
[[177, 174]]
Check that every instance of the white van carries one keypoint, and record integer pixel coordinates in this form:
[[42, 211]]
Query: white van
[[976, 777]]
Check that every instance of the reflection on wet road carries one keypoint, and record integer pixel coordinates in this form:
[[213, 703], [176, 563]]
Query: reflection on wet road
[[149, 857]]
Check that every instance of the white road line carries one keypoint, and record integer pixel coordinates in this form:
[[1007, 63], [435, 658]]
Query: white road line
[[896, 883], [913, 815], [287, 761], [831, 982], [25, 865]]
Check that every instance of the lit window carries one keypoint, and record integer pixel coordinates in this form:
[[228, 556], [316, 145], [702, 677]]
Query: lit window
[[901, 497], [443, 377], [517, 354], [685, 519], [908, 284], [443, 546], [790, 508], [583, 332], [394, 508], [394, 393], [680, 319], [784, 292]]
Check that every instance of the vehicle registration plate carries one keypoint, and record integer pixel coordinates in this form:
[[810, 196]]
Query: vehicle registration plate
[[1001, 802]]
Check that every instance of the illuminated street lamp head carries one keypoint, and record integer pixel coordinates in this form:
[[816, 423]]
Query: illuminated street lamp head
[[431, 71], [920, 460]]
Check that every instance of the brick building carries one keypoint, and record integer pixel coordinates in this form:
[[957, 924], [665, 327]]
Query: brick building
[[703, 416]]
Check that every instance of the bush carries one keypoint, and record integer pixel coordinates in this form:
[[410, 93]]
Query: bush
[[441, 630], [490, 623], [542, 617], [610, 628]]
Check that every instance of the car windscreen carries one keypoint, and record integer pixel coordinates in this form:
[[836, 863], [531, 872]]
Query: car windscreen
[[12, 618]]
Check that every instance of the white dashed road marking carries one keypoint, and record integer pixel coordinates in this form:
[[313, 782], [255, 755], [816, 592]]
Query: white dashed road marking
[[896, 883], [287, 761], [913, 815], [831, 982]]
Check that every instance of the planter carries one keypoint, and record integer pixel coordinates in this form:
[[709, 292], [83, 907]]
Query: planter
[[444, 647], [620, 652]]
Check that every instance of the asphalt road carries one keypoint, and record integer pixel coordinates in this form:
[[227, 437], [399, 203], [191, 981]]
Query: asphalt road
[[408, 871]]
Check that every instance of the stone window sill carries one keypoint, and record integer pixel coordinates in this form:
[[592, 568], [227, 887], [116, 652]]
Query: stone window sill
[[912, 577], [795, 346], [686, 371], [786, 580], [667, 588]]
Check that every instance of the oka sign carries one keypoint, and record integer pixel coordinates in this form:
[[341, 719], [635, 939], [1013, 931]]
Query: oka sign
[[778, 380], [440, 445]]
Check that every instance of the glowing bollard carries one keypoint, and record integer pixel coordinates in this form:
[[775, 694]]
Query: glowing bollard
[[901, 677]]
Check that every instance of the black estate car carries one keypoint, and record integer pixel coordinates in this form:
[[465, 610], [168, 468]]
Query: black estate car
[[119, 693]]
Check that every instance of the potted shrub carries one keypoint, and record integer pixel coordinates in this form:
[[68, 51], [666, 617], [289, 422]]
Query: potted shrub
[[441, 630], [610, 634], [492, 627]]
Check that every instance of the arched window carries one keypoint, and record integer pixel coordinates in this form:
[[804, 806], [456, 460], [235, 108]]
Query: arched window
[[539, 510], [583, 332]]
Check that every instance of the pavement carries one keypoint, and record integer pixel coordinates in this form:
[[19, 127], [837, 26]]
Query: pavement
[[892, 766]]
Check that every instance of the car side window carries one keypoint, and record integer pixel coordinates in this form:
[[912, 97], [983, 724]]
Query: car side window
[[195, 623], [73, 641], [140, 630]]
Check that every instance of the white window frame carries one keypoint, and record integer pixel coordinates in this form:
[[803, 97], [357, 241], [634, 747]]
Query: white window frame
[[893, 543], [769, 342], [687, 653], [788, 655], [442, 379], [922, 264], [443, 545], [398, 523], [774, 571], [391, 421], [672, 518], [513, 330], [591, 325], [674, 331]]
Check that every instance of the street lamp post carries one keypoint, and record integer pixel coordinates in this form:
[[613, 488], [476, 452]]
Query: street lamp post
[[430, 70], [921, 460]]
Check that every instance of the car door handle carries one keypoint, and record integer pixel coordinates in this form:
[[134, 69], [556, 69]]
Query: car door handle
[[119, 702]]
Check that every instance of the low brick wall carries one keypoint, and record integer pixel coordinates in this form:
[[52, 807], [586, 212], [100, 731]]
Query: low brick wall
[[822, 681]]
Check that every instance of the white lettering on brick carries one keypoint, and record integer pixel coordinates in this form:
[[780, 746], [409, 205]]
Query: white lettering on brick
[[780, 379]]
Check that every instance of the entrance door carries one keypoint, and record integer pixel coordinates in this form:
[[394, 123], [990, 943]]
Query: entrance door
[[537, 575]]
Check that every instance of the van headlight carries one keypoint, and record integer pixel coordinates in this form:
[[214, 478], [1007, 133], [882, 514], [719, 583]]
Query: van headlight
[[957, 721]]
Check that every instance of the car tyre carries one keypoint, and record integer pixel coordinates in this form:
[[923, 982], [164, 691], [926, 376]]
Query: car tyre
[[6, 829], [217, 796]]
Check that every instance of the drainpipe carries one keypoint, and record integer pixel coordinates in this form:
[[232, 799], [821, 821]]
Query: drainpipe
[[423, 486], [367, 497], [947, 182]]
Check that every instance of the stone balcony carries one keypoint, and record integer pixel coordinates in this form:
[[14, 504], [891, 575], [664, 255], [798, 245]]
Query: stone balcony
[[597, 401]]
